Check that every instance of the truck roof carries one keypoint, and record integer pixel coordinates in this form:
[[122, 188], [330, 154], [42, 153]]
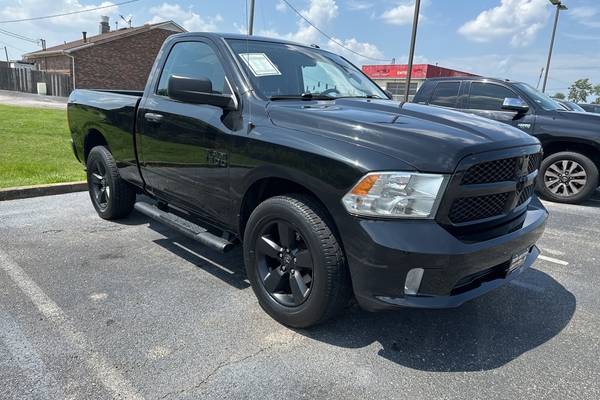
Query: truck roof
[[472, 78], [237, 36]]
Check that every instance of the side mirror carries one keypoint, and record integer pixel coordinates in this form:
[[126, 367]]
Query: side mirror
[[515, 104], [388, 94], [198, 91]]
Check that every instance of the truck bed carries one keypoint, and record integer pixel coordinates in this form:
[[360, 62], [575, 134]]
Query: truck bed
[[112, 112]]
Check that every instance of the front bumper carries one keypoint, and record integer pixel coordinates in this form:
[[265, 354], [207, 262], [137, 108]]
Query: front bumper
[[381, 252]]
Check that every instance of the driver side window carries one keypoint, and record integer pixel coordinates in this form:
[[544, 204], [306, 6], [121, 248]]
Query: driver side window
[[488, 96], [192, 60]]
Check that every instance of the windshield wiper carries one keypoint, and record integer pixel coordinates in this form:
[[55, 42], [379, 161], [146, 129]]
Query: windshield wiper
[[303, 96], [369, 96]]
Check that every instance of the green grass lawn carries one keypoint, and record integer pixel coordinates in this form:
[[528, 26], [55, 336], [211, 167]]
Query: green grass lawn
[[35, 147]]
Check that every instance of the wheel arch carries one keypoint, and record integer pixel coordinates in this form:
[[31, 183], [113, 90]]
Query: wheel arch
[[270, 186], [93, 138], [588, 149]]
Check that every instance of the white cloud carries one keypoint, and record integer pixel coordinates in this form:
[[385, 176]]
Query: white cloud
[[366, 49], [400, 15], [356, 5], [281, 6], [588, 16], [519, 20], [190, 20], [33, 8], [525, 66], [321, 13], [55, 30]]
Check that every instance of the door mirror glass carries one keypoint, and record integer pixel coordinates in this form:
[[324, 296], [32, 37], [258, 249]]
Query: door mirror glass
[[515, 104], [198, 91]]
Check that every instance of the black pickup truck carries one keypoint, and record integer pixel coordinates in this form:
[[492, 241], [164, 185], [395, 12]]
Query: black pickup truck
[[571, 140], [333, 189]]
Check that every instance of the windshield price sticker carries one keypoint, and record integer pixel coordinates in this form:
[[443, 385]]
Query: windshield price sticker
[[260, 64]]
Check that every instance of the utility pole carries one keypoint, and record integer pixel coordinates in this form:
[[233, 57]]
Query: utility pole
[[411, 53], [251, 18], [559, 6], [540, 78], [6, 52]]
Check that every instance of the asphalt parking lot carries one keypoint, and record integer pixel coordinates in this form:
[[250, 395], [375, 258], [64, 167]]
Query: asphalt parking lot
[[91, 309]]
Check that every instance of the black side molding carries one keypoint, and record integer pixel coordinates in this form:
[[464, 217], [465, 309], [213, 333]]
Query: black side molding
[[185, 227]]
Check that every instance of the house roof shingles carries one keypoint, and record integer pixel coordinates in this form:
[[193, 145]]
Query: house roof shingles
[[102, 38]]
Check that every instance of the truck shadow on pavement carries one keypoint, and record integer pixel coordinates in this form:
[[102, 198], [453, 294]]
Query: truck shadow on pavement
[[483, 334]]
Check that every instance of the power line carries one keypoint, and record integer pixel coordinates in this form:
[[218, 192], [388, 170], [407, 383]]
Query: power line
[[329, 36], [68, 13], [14, 47], [18, 36]]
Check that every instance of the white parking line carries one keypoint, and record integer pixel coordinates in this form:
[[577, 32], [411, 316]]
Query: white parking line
[[28, 359], [553, 260], [100, 366]]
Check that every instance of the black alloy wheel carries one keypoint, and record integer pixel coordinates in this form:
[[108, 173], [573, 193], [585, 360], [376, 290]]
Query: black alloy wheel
[[111, 196], [284, 263], [99, 185], [294, 261]]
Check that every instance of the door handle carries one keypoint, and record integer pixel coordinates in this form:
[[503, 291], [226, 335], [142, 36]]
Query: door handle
[[153, 117]]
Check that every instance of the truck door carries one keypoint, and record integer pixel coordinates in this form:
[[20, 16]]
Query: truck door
[[486, 98], [183, 147]]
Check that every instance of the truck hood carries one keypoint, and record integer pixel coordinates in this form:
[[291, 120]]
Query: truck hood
[[431, 139]]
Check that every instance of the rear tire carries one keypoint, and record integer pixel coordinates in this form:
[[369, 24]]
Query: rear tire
[[300, 247], [111, 196], [567, 177]]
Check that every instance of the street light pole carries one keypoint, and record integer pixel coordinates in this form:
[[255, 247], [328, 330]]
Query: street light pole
[[559, 6], [411, 53], [251, 18]]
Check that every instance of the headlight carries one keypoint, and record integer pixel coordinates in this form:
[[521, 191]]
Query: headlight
[[396, 194]]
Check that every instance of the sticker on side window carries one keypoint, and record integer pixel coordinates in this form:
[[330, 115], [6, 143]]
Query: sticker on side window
[[260, 64]]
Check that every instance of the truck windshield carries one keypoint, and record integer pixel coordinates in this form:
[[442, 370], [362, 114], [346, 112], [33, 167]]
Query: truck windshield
[[282, 71], [540, 98]]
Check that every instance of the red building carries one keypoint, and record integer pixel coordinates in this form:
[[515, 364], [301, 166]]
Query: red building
[[393, 77]]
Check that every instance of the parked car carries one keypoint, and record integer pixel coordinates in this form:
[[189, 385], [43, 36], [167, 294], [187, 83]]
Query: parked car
[[571, 140], [569, 105], [593, 108], [332, 188]]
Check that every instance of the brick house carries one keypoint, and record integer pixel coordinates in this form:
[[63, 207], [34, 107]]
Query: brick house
[[119, 59]]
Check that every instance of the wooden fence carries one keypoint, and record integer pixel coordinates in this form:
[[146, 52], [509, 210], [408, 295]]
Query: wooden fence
[[26, 80]]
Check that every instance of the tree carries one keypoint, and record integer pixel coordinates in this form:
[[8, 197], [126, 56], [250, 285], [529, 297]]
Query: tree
[[597, 94], [580, 90], [559, 96]]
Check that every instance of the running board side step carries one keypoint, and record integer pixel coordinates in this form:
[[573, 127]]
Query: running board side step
[[185, 227]]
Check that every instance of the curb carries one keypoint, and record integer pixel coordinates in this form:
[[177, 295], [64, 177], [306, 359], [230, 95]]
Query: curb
[[24, 192]]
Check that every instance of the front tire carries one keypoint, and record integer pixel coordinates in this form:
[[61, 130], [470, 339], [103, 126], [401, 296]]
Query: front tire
[[111, 196], [567, 177], [294, 261]]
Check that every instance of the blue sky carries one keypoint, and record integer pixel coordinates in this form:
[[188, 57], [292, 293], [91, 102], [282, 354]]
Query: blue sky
[[500, 38]]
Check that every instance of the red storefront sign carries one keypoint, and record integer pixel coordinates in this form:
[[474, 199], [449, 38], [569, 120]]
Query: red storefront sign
[[419, 71]]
